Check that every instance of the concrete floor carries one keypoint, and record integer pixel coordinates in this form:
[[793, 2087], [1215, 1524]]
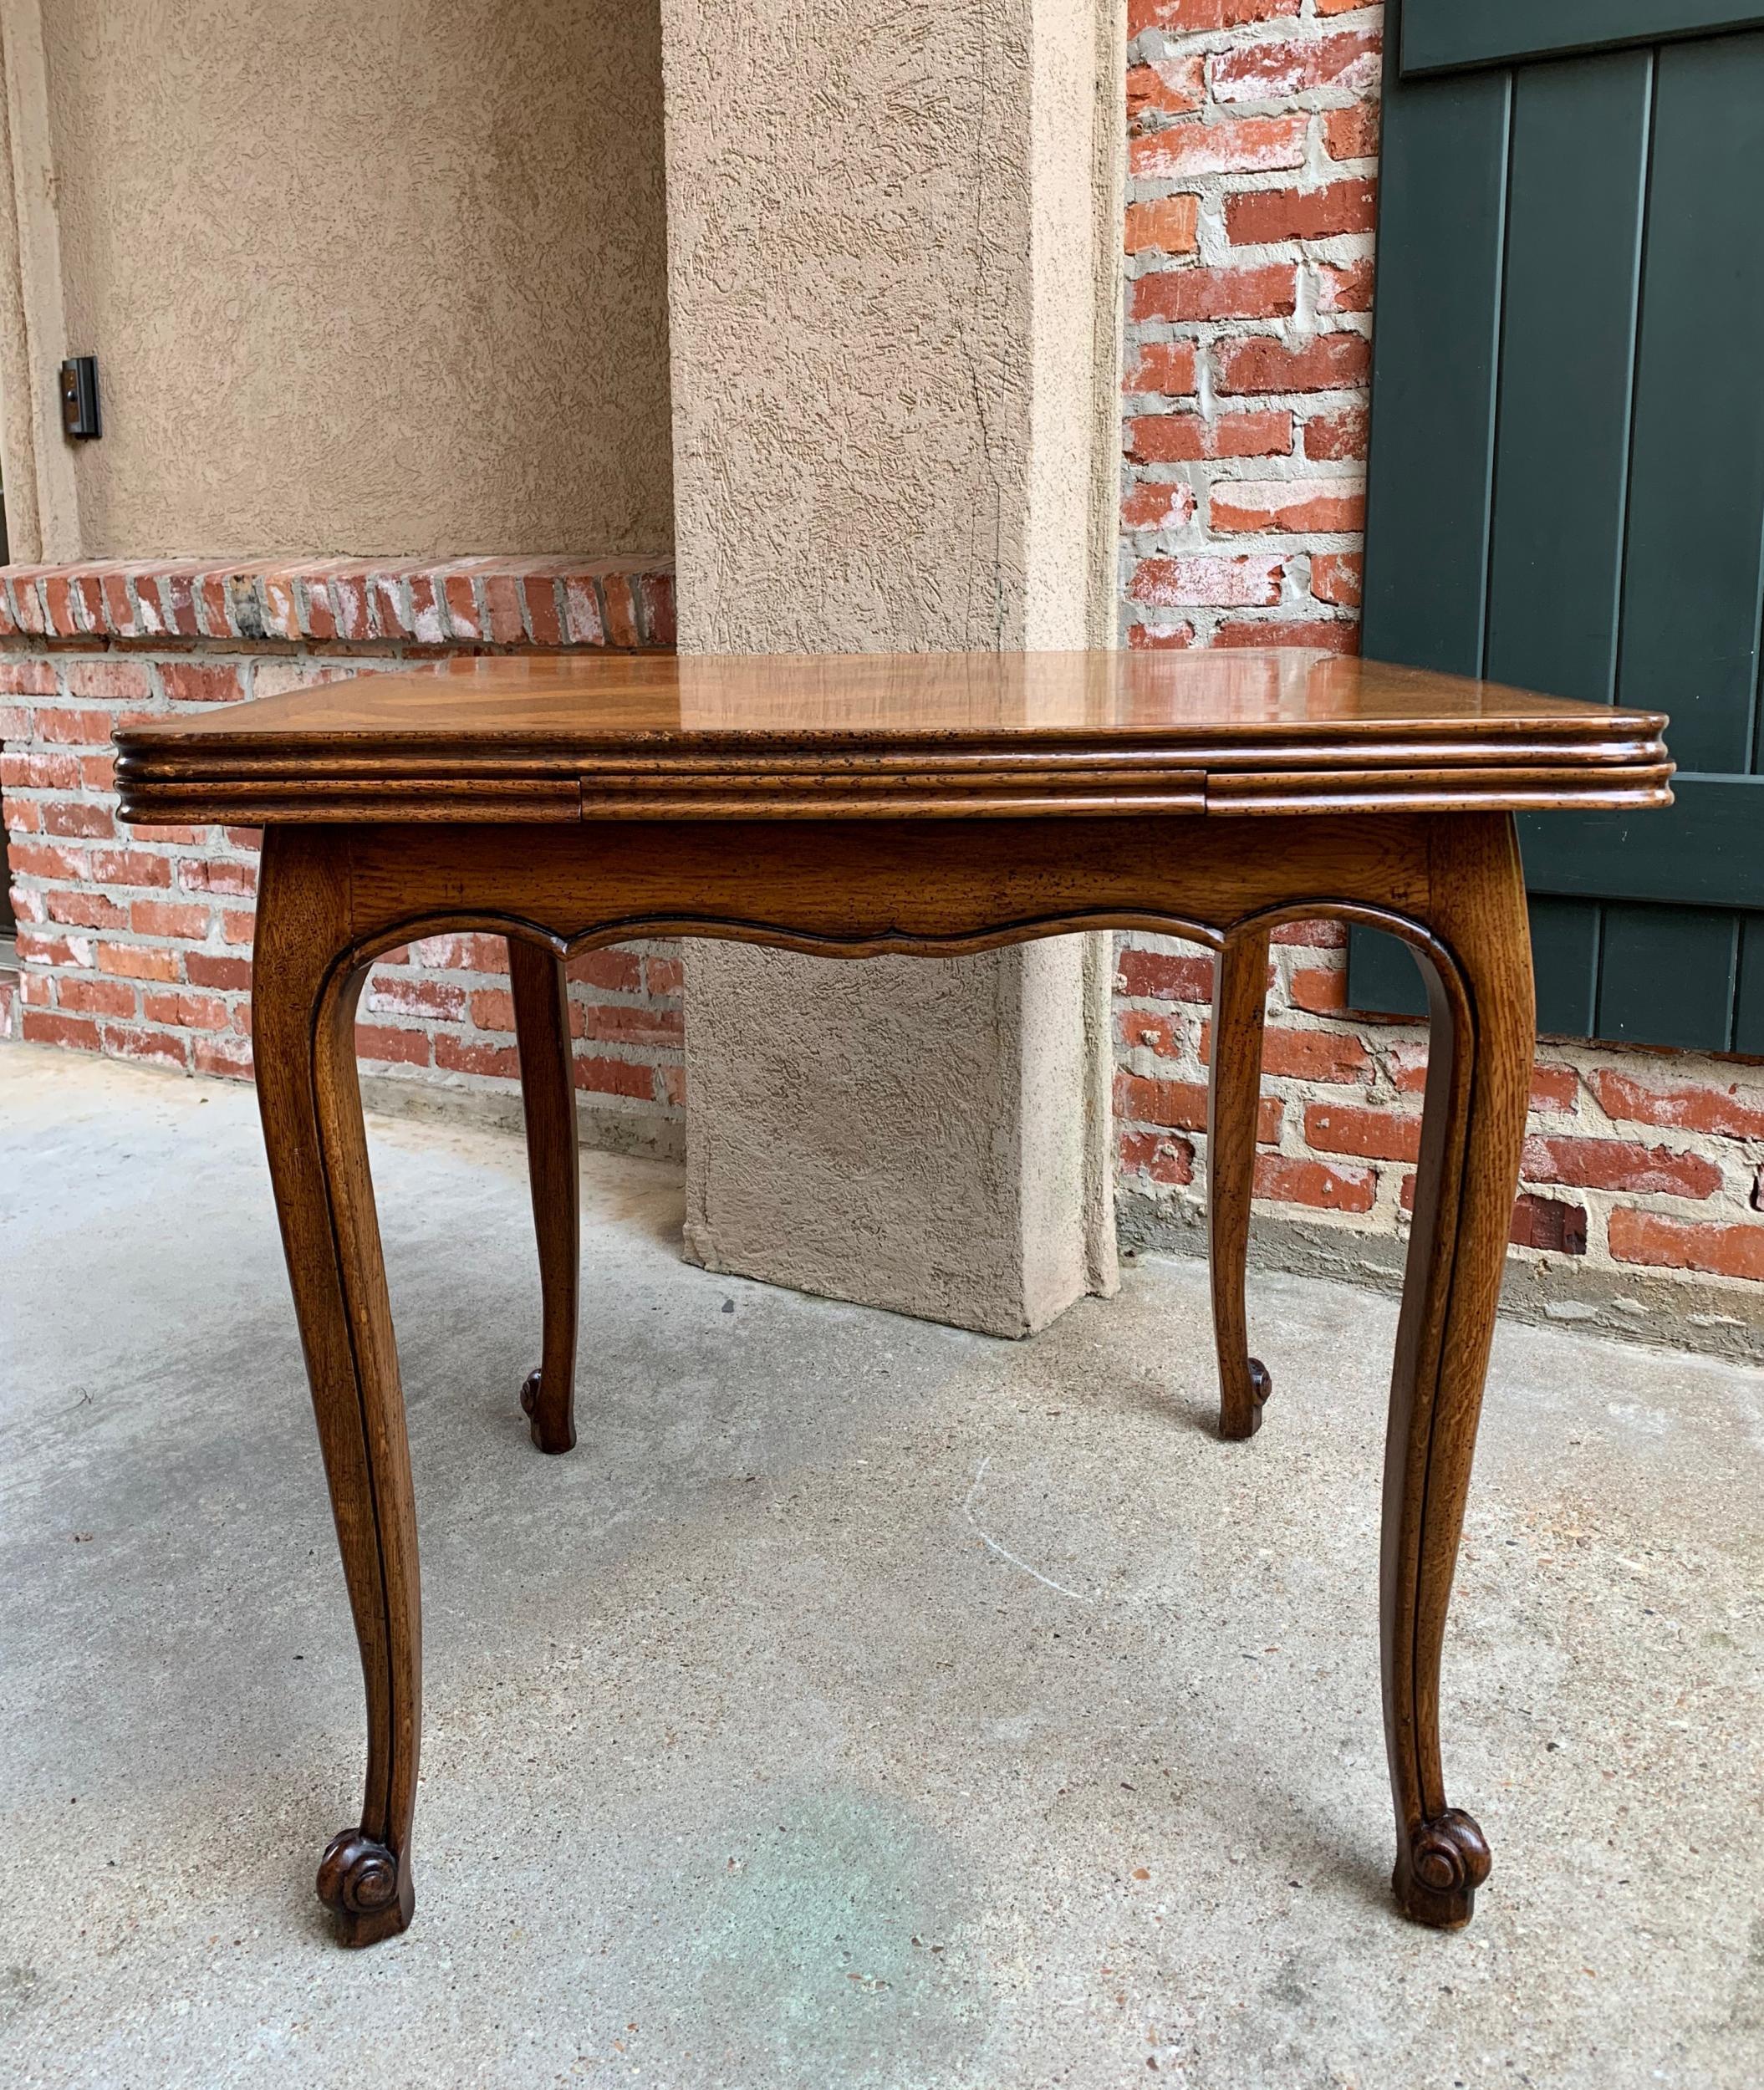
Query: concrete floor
[[861, 1704]]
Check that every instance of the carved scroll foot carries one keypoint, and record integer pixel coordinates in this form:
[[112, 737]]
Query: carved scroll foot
[[1439, 1869], [551, 1433], [366, 1887], [1241, 1418]]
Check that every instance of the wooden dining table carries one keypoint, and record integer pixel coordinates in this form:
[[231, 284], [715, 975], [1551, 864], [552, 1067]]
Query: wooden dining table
[[850, 806]]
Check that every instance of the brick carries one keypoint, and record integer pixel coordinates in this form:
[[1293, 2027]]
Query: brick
[[1338, 577], [106, 680], [1660, 1243], [1312, 936], [618, 608], [1286, 1180], [663, 975], [612, 968], [1554, 1088], [1164, 227], [1143, 636], [458, 597], [1338, 437], [583, 623], [68, 727], [27, 674], [1165, 87], [1181, 294], [1242, 505], [492, 1009], [1325, 1056], [615, 1077], [44, 859], [389, 1042], [1149, 1031], [1375, 1135], [1345, 287], [1191, 16], [192, 1012], [72, 817], [1202, 581], [40, 772], [160, 1048], [138, 961], [462, 954], [212, 968], [217, 874], [1164, 976], [201, 682], [1181, 1105], [85, 909], [35, 948], [620, 1023], [1165, 367], [1319, 990], [1325, 363], [1243, 145], [224, 1056], [1730, 1111], [428, 619], [1191, 438], [1263, 217], [660, 610], [502, 609], [1276, 70], [1158, 1157], [468, 1056], [44, 1027], [1326, 637], [392, 995], [544, 618], [237, 926], [1351, 132], [1549, 1224], [131, 867], [1157, 504], [1618, 1165], [96, 997]]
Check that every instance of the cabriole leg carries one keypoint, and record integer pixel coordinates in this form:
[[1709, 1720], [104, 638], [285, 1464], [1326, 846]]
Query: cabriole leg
[[547, 1092], [1478, 1086], [1233, 1103], [303, 993]]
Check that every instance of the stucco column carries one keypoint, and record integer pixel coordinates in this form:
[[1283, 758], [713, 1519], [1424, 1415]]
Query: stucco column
[[892, 304]]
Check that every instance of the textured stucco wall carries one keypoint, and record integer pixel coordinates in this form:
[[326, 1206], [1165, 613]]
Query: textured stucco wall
[[885, 251], [892, 282], [386, 279]]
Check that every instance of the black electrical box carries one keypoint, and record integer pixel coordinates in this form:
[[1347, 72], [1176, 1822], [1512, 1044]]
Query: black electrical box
[[79, 397]]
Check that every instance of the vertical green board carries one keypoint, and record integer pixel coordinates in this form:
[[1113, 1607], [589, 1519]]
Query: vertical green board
[[1434, 348], [1577, 195], [1696, 498], [1667, 976], [1442, 204]]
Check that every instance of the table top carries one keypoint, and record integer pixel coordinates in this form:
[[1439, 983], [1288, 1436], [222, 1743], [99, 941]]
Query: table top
[[893, 736]]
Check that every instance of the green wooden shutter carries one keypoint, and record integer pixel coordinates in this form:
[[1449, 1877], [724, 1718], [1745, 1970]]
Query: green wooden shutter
[[1567, 472]]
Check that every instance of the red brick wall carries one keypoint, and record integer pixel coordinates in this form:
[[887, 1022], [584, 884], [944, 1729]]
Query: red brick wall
[[137, 942], [1253, 137]]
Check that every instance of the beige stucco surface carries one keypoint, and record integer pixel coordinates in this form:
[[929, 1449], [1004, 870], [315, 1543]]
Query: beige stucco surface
[[365, 279], [892, 293]]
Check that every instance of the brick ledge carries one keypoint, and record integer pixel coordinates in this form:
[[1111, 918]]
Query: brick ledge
[[624, 603]]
